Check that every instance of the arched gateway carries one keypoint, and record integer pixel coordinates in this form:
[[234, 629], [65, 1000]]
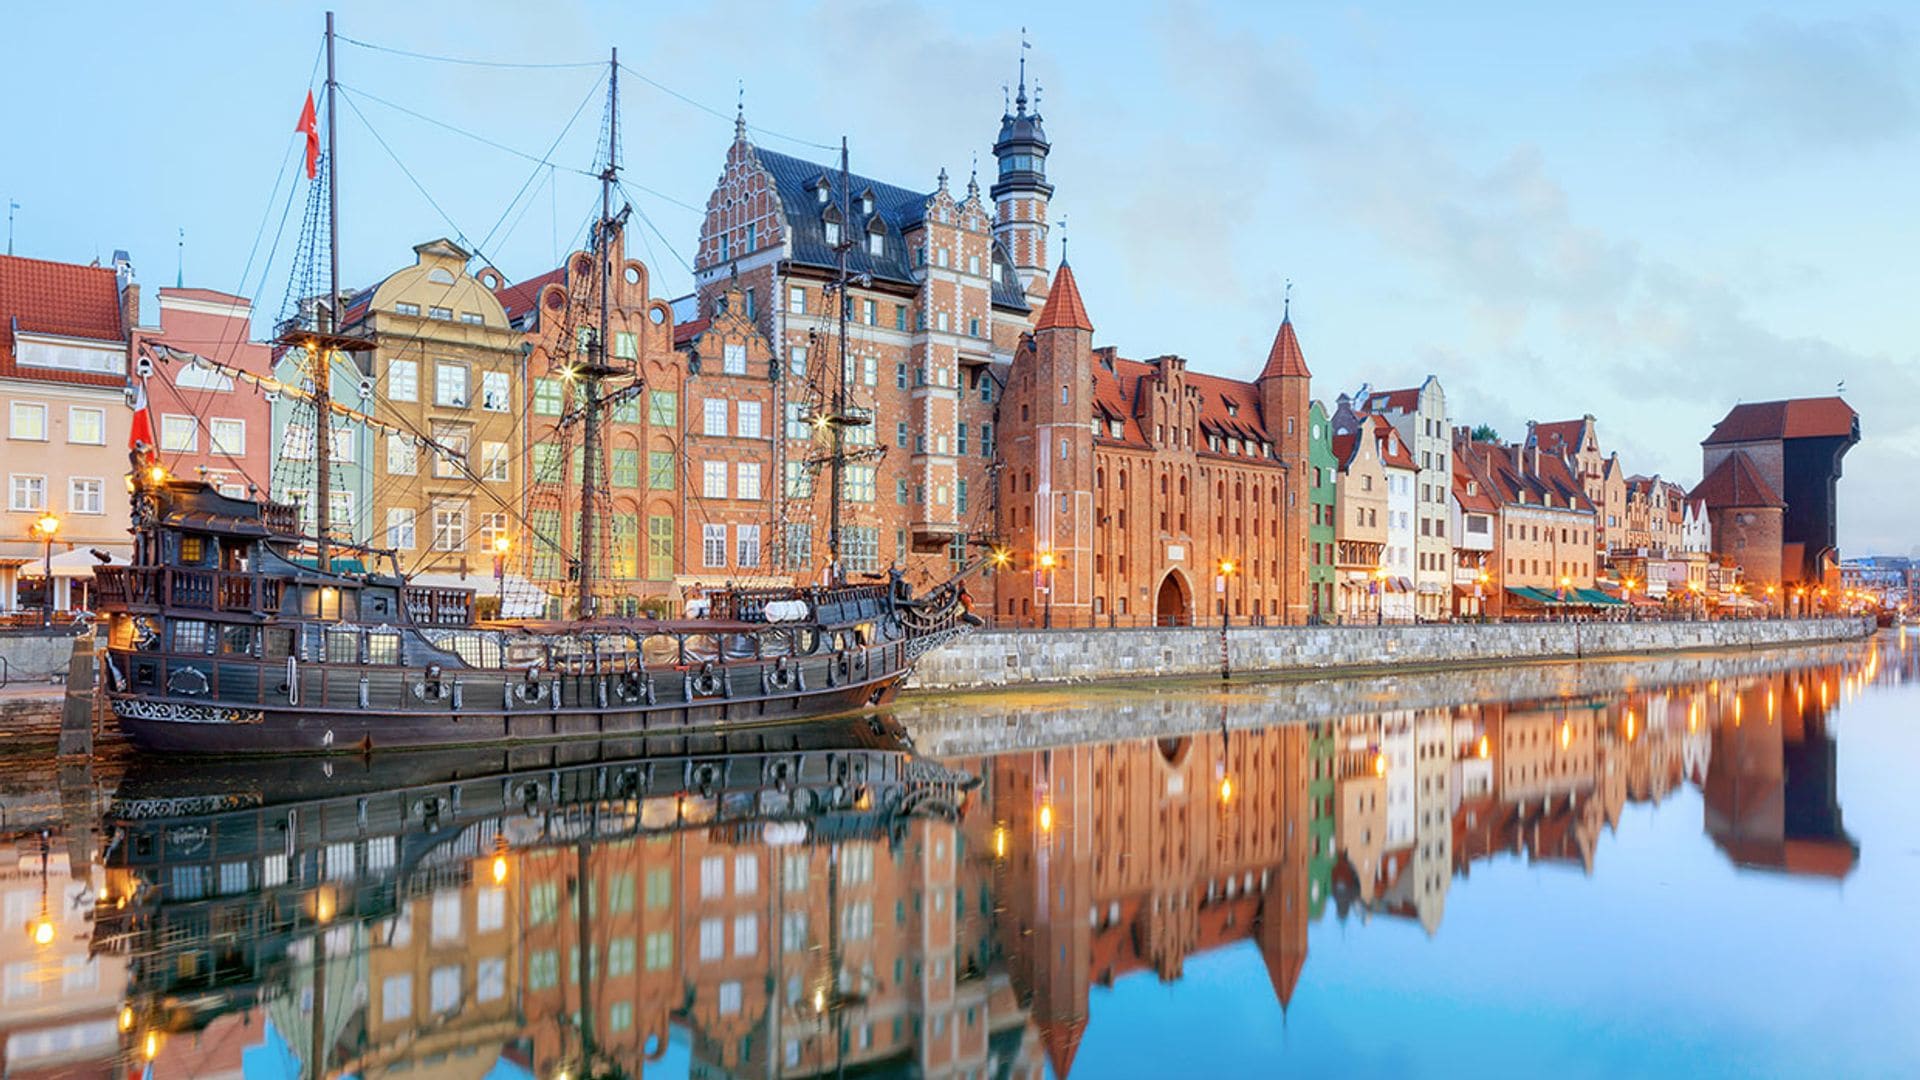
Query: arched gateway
[[1173, 606]]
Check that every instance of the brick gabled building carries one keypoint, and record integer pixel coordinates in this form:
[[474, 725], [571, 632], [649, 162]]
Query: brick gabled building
[[939, 301], [1577, 442], [1543, 540], [1141, 479], [558, 313], [210, 427], [1778, 459]]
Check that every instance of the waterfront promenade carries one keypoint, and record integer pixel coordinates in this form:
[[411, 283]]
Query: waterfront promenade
[[1001, 659]]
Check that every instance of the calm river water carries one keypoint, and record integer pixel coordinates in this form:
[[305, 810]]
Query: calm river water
[[1704, 865]]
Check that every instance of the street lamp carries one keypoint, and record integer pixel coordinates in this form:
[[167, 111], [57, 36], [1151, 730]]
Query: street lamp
[[501, 542], [1379, 596], [44, 528], [1046, 563], [1226, 575]]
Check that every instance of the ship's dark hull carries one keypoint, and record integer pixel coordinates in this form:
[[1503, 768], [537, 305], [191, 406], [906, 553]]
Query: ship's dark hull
[[253, 729]]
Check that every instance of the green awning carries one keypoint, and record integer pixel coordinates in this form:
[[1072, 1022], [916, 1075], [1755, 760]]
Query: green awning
[[1532, 596], [1595, 596]]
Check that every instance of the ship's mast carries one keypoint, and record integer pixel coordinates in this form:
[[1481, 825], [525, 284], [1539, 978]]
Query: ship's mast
[[322, 350], [598, 359], [836, 574]]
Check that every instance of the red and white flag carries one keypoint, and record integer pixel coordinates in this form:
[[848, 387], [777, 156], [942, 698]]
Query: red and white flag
[[140, 436], [310, 124]]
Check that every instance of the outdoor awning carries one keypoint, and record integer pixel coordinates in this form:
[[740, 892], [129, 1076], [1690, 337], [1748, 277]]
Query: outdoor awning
[[78, 563], [1531, 596], [1595, 596]]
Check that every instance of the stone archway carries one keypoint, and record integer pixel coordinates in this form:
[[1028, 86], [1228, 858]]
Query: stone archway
[[1173, 605]]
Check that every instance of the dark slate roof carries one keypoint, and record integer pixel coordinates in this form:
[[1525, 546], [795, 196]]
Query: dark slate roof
[[797, 181]]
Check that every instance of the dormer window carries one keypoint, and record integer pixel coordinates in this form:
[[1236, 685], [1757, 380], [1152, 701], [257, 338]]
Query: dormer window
[[820, 190], [866, 201], [876, 237], [1233, 409], [832, 228]]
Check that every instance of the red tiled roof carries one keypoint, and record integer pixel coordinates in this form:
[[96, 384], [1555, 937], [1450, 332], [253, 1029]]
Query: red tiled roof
[[1736, 482], [684, 333], [1508, 480], [1397, 400], [1285, 358], [1798, 418], [66, 299], [1064, 309], [1481, 499], [1561, 436], [519, 298], [1228, 407]]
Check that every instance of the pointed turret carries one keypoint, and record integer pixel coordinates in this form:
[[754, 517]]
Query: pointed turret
[[1064, 309], [1285, 358]]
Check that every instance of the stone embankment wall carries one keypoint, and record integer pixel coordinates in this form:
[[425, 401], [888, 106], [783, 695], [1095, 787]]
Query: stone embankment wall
[[995, 659], [35, 657]]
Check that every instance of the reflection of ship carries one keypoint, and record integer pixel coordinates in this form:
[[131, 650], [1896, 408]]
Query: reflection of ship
[[264, 886]]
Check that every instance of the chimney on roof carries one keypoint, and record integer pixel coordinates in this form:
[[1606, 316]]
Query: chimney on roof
[[129, 291]]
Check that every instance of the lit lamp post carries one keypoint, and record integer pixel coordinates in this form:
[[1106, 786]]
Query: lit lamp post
[[500, 545], [1626, 594], [1379, 596], [1047, 561], [1221, 587], [44, 528], [1481, 594], [1771, 590]]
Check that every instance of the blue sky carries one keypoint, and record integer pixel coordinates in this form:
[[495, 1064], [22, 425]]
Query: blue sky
[[1647, 212]]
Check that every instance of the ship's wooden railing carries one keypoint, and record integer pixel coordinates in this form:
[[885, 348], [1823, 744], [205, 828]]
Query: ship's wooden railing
[[750, 605], [431, 606], [171, 587]]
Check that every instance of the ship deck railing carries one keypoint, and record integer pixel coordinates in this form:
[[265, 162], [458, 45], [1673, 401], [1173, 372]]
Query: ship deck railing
[[158, 587]]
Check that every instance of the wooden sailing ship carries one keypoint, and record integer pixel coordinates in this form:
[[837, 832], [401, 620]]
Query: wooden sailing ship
[[243, 626]]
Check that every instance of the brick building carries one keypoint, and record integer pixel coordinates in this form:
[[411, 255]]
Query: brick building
[[641, 432], [938, 304], [1774, 467], [1142, 480], [1602, 477]]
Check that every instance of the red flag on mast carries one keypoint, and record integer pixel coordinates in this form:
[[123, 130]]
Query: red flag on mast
[[310, 123], [140, 436]]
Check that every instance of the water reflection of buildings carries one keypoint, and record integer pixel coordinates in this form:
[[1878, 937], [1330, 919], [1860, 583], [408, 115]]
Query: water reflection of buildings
[[814, 909]]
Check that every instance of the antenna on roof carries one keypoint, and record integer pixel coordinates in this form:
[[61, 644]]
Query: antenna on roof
[[180, 261], [1840, 387], [11, 207], [1063, 241]]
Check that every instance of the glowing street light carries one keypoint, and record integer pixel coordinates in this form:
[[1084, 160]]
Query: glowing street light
[[44, 528], [1047, 561]]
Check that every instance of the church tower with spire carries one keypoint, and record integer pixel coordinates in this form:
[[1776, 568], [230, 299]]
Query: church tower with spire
[[1286, 394], [1045, 418], [1021, 191]]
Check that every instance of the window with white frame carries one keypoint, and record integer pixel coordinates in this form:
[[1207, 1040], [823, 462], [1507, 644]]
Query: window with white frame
[[226, 436], [796, 300], [746, 934], [492, 527], [449, 525], [713, 546], [27, 492], [713, 939], [733, 359], [443, 989], [396, 997], [494, 392], [403, 455], [729, 998], [493, 461], [747, 540], [746, 419], [713, 479], [450, 384], [342, 439], [447, 907], [403, 380], [746, 480], [178, 433], [625, 345], [797, 361], [27, 420], [713, 416], [340, 510], [450, 463], [86, 495], [86, 426]]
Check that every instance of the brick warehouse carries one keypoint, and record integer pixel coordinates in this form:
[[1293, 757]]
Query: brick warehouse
[[1141, 479], [946, 359]]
